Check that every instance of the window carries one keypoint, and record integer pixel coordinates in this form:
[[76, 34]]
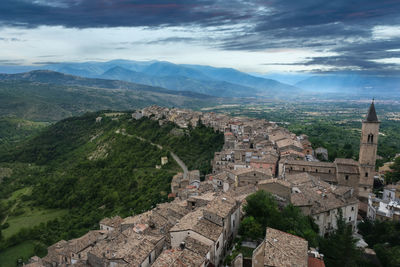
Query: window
[[349, 219], [347, 177], [366, 174], [304, 169], [150, 258], [217, 245], [352, 208], [316, 170], [370, 138], [254, 174], [329, 171]]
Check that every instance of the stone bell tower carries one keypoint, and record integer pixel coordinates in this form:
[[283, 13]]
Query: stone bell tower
[[368, 149]]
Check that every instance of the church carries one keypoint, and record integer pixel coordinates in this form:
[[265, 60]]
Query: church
[[357, 174]]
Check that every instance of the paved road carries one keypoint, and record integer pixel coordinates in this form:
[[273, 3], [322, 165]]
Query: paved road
[[181, 164], [176, 158]]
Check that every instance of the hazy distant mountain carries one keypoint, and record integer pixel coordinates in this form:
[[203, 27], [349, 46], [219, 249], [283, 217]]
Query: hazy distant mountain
[[290, 78], [221, 82], [210, 87], [351, 83], [264, 86], [50, 96]]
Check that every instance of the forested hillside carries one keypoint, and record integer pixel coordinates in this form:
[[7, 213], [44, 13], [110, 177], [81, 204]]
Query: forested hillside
[[51, 96], [64, 180]]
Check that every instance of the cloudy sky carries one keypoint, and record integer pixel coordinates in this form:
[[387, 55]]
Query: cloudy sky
[[256, 36]]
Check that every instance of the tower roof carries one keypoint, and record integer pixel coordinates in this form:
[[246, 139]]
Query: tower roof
[[371, 116]]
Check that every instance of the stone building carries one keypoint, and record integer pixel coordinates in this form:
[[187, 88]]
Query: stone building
[[316, 198], [359, 175]]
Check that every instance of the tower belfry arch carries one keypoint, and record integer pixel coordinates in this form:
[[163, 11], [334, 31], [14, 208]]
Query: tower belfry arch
[[368, 150]]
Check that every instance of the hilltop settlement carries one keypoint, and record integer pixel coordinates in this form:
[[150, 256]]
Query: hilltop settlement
[[198, 226]]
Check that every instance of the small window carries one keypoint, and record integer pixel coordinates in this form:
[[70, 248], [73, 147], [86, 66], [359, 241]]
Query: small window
[[304, 169], [365, 188], [349, 219], [217, 245], [150, 258], [366, 174], [329, 171], [347, 177], [316, 170], [254, 174], [352, 208]]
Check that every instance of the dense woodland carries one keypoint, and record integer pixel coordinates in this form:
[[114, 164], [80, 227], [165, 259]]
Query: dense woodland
[[92, 170]]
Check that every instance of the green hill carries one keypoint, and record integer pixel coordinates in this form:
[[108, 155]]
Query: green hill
[[77, 171], [52, 96], [13, 130]]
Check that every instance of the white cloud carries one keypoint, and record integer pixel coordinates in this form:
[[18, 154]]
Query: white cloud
[[386, 32], [391, 60], [139, 43]]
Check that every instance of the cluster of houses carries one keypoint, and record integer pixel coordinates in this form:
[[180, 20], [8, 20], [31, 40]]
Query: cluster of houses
[[198, 226]]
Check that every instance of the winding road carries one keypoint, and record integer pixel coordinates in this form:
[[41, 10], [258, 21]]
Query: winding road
[[176, 158]]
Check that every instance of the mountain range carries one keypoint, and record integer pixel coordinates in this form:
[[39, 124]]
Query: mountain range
[[51, 96], [220, 82], [216, 82]]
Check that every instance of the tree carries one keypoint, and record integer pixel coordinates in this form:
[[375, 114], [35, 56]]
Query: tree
[[262, 211], [251, 229], [262, 206], [394, 175], [339, 247]]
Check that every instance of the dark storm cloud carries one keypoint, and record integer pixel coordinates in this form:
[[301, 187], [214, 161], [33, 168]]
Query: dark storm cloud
[[341, 26], [104, 13]]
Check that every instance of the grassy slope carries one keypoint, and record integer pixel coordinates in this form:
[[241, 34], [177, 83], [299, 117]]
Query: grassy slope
[[10, 256], [87, 170]]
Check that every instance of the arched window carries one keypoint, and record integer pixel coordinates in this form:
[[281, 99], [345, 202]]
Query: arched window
[[370, 138]]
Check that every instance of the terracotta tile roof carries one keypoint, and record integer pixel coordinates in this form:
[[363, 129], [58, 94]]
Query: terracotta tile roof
[[178, 258], [311, 163], [222, 205], [112, 222], [196, 222], [283, 249], [129, 247], [197, 246], [315, 262]]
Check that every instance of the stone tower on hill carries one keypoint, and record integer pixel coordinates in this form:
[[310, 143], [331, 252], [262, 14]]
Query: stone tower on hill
[[368, 149]]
